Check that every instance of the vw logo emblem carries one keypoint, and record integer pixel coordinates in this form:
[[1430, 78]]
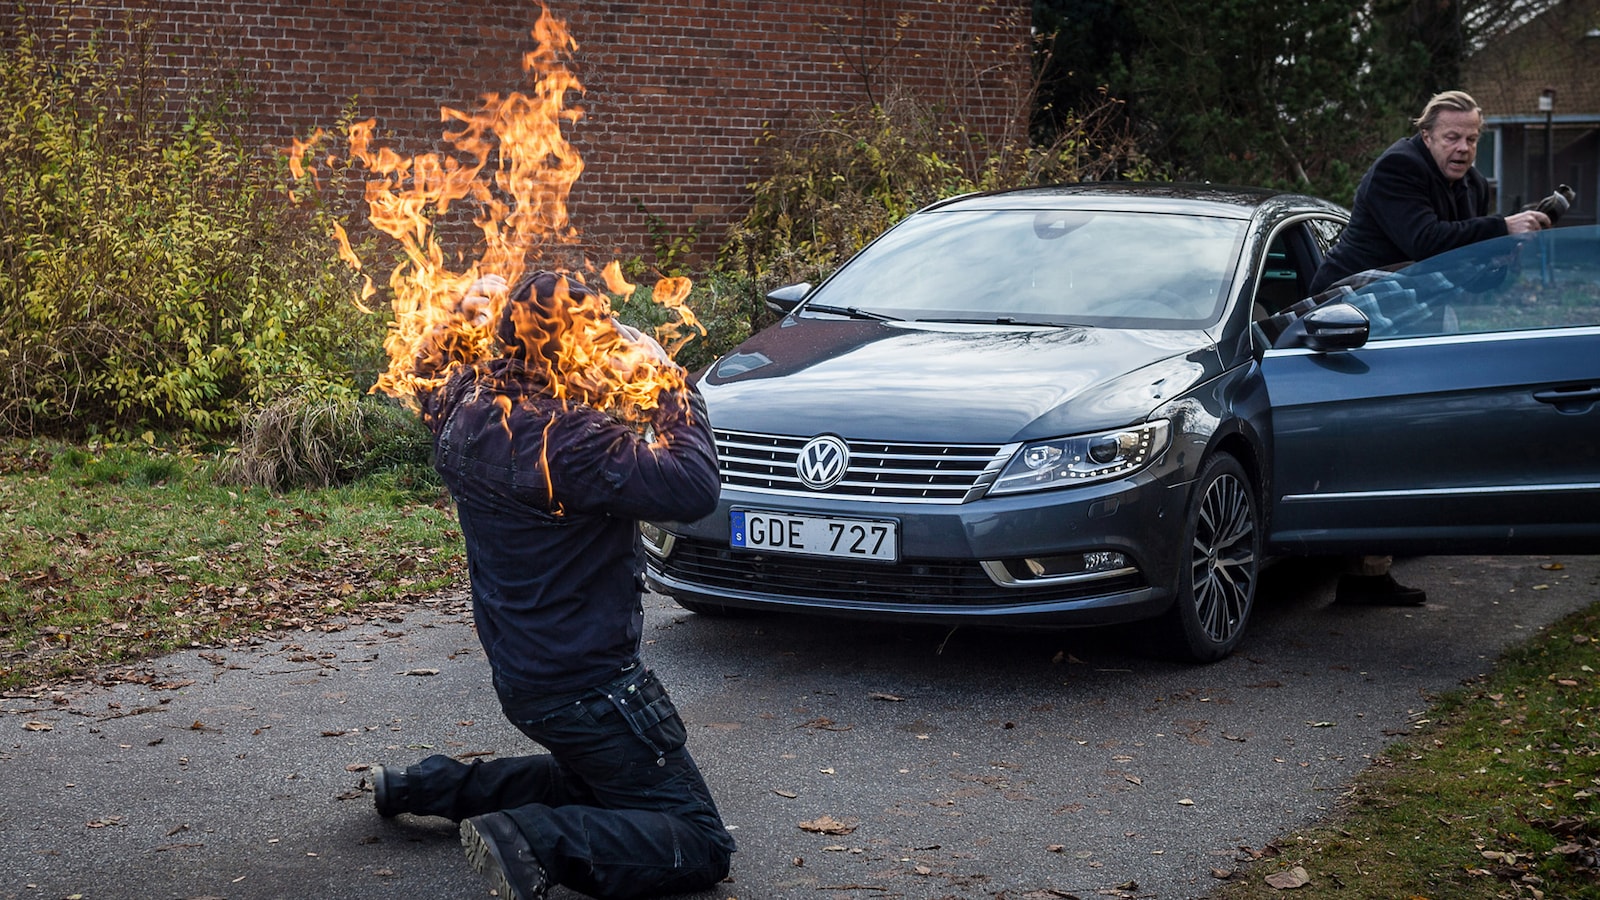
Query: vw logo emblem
[[822, 462]]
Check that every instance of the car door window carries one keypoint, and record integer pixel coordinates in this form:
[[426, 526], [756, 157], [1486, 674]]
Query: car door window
[[1326, 233], [1510, 284], [1286, 274]]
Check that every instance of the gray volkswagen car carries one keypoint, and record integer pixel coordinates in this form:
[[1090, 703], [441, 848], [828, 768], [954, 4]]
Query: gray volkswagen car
[[1097, 404]]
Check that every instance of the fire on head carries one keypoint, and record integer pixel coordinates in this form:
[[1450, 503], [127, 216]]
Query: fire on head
[[538, 311]]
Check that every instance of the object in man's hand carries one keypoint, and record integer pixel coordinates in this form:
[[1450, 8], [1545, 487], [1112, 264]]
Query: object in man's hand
[[1555, 204]]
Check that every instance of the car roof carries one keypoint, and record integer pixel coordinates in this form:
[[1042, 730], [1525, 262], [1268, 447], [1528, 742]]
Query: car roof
[[1227, 201]]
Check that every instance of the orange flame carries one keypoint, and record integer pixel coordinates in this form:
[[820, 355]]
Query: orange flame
[[510, 158]]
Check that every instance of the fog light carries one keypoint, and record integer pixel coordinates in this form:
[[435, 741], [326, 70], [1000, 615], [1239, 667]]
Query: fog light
[[1088, 563], [657, 540], [1104, 561]]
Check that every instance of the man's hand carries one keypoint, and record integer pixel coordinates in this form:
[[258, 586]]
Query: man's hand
[[1527, 222], [476, 304]]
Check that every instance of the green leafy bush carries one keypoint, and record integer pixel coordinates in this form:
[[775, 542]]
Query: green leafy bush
[[152, 273], [726, 304]]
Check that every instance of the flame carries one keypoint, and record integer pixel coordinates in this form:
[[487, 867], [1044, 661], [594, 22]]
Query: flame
[[509, 158]]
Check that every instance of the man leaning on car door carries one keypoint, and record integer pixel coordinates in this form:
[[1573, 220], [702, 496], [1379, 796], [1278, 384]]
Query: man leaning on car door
[[1420, 198]]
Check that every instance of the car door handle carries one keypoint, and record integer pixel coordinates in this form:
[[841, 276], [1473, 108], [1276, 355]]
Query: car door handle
[[1569, 399]]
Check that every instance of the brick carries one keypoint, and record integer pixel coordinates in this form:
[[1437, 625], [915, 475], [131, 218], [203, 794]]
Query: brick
[[679, 93]]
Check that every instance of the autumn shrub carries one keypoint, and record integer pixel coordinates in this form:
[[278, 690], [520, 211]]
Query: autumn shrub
[[153, 275], [846, 175], [309, 441]]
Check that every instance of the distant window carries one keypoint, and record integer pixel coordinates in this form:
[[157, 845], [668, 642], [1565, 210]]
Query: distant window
[[1488, 162]]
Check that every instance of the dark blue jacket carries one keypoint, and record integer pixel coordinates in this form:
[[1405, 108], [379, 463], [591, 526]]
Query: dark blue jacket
[[1405, 210], [549, 494]]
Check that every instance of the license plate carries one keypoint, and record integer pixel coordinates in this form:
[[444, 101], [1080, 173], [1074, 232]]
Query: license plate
[[876, 539]]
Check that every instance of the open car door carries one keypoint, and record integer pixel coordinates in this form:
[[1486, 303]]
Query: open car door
[[1450, 407]]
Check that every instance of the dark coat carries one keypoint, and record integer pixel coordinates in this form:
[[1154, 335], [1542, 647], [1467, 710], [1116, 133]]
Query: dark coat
[[549, 495], [1405, 210]]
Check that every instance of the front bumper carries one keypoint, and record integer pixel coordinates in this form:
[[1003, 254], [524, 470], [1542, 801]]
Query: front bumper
[[957, 563]]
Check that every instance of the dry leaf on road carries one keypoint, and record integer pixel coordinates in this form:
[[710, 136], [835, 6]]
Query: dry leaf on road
[[829, 825]]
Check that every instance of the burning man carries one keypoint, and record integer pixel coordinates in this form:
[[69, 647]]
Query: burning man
[[549, 491]]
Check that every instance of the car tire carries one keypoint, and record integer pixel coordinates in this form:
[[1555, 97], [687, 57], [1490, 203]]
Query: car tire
[[1221, 563]]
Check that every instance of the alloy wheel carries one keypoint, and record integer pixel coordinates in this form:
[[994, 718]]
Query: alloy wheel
[[1223, 562]]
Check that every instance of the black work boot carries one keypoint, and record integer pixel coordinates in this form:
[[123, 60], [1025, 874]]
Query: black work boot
[[497, 849], [389, 791], [1377, 590]]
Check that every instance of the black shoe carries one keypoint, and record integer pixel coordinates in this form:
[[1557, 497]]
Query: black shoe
[[1377, 590], [497, 849], [389, 792]]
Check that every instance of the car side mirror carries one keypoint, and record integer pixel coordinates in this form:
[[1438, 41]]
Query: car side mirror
[[783, 300], [1334, 326]]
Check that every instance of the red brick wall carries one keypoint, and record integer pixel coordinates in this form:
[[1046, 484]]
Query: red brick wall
[[677, 92]]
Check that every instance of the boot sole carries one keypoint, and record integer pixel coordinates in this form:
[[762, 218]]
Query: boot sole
[[484, 857]]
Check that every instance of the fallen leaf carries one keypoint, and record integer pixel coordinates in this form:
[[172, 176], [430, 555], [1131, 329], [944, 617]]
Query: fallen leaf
[[1186, 802], [1296, 877], [781, 793], [888, 698], [829, 825], [823, 723], [37, 726], [420, 672]]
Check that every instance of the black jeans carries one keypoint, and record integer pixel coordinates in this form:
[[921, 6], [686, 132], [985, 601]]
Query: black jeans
[[617, 809]]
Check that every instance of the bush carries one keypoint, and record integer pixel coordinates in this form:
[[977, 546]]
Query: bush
[[152, 273], [849, 175], [303, 440], [725, 303]]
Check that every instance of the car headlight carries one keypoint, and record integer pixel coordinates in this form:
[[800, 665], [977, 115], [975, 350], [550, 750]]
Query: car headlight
[[1086, 457]]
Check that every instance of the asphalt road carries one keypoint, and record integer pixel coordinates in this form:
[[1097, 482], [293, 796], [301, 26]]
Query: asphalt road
[[963, 765]]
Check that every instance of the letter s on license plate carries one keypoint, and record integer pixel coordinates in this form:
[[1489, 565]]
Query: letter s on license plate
[[875, 539]]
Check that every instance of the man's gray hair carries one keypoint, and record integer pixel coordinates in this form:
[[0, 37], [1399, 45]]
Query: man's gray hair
[[1455, 101]]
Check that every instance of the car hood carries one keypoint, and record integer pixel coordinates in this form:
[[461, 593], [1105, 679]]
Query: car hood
[[914, 381]]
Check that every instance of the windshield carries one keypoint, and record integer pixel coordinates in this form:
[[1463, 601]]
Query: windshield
[[1116, 269]]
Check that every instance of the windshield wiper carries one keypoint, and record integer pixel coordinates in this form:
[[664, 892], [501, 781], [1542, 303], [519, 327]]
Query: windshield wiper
[[854, 312], [999, 320]]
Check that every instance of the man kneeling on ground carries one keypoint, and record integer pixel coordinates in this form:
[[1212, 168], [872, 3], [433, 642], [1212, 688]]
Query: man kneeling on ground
[[549, 492]]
